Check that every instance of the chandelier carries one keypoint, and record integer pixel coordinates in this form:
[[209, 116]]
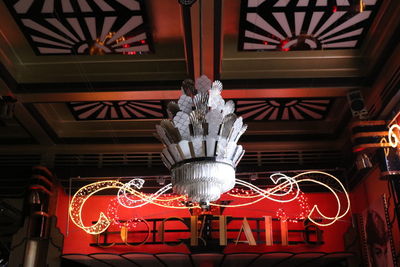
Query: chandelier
[[200, 140], [201, 151]]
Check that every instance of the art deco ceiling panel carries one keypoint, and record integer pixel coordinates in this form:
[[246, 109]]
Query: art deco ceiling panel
[[283, 25], [279, 109], [83, 26], [118, 110], [283, 109]]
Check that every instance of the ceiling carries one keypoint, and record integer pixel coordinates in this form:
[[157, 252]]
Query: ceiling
[[91, 78]]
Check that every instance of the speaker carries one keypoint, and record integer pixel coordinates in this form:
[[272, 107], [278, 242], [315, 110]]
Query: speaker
[[356, 102]]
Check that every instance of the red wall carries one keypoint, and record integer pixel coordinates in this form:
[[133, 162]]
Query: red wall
[[370, 190], [77, 241]]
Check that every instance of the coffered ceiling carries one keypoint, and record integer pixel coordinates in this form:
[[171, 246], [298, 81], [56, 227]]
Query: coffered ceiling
[[93, 77]]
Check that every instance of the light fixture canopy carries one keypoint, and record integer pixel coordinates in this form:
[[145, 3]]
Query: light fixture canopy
[[200, 140]]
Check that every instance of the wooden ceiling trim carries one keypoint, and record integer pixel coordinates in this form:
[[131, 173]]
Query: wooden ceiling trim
[[7, 81], [218, 38], [31, 125], [188, 42], [88, 148], [207, 37], [175, 94], [196, 38], [382, 38], [22, 116]]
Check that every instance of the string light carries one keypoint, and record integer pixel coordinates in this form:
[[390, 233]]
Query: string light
[[286, 190], [112, 212], [103, 222], [293, 182], [79, 199], [304, 210]]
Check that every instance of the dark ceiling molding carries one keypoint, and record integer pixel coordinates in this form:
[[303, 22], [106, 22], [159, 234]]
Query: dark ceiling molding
[[389, 92], [392, 86], [6, 76], [343, 123], [217, 38], [187, 28], [153, 140], [293, 83], [387, 51], [98, 86], [17, 141], [175, 85], [42, 122], [109, 140], [287, 137]]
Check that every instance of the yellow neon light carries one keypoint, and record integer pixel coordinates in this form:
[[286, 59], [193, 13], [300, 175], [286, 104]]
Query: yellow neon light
[[289, 188], [83, 194], [362, 6], [315, 210], [392, 136], [383, 143], [79, 199]]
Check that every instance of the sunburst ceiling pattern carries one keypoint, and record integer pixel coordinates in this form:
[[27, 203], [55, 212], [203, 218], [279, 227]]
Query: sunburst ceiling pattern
[[283, 109], [83, 26], [251, 110], [117, 110], [283, 25]]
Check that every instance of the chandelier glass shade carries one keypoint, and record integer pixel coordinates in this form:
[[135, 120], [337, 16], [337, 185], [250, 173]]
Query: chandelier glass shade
[[200, 140]]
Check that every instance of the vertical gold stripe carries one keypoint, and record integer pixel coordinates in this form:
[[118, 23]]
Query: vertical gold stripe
[[284, 233], [268, 231]]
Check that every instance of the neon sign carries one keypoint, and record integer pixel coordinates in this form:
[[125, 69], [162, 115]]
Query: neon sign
[[221, 231], [286, 189]]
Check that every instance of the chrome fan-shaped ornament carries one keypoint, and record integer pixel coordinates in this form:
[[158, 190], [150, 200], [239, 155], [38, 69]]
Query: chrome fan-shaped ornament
[[200, 141]]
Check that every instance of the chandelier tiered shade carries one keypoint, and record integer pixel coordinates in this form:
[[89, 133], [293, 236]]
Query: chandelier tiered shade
[[200, 140]]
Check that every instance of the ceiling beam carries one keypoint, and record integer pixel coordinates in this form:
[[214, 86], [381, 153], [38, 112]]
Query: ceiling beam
[[25, 118], [383, 96], [187, 38], [157, 147], [205, 29], [31, 125], [175, 94]]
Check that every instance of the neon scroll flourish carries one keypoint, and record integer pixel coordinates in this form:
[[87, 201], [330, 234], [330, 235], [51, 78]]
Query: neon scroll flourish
[[393, 135], [286, 189]]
